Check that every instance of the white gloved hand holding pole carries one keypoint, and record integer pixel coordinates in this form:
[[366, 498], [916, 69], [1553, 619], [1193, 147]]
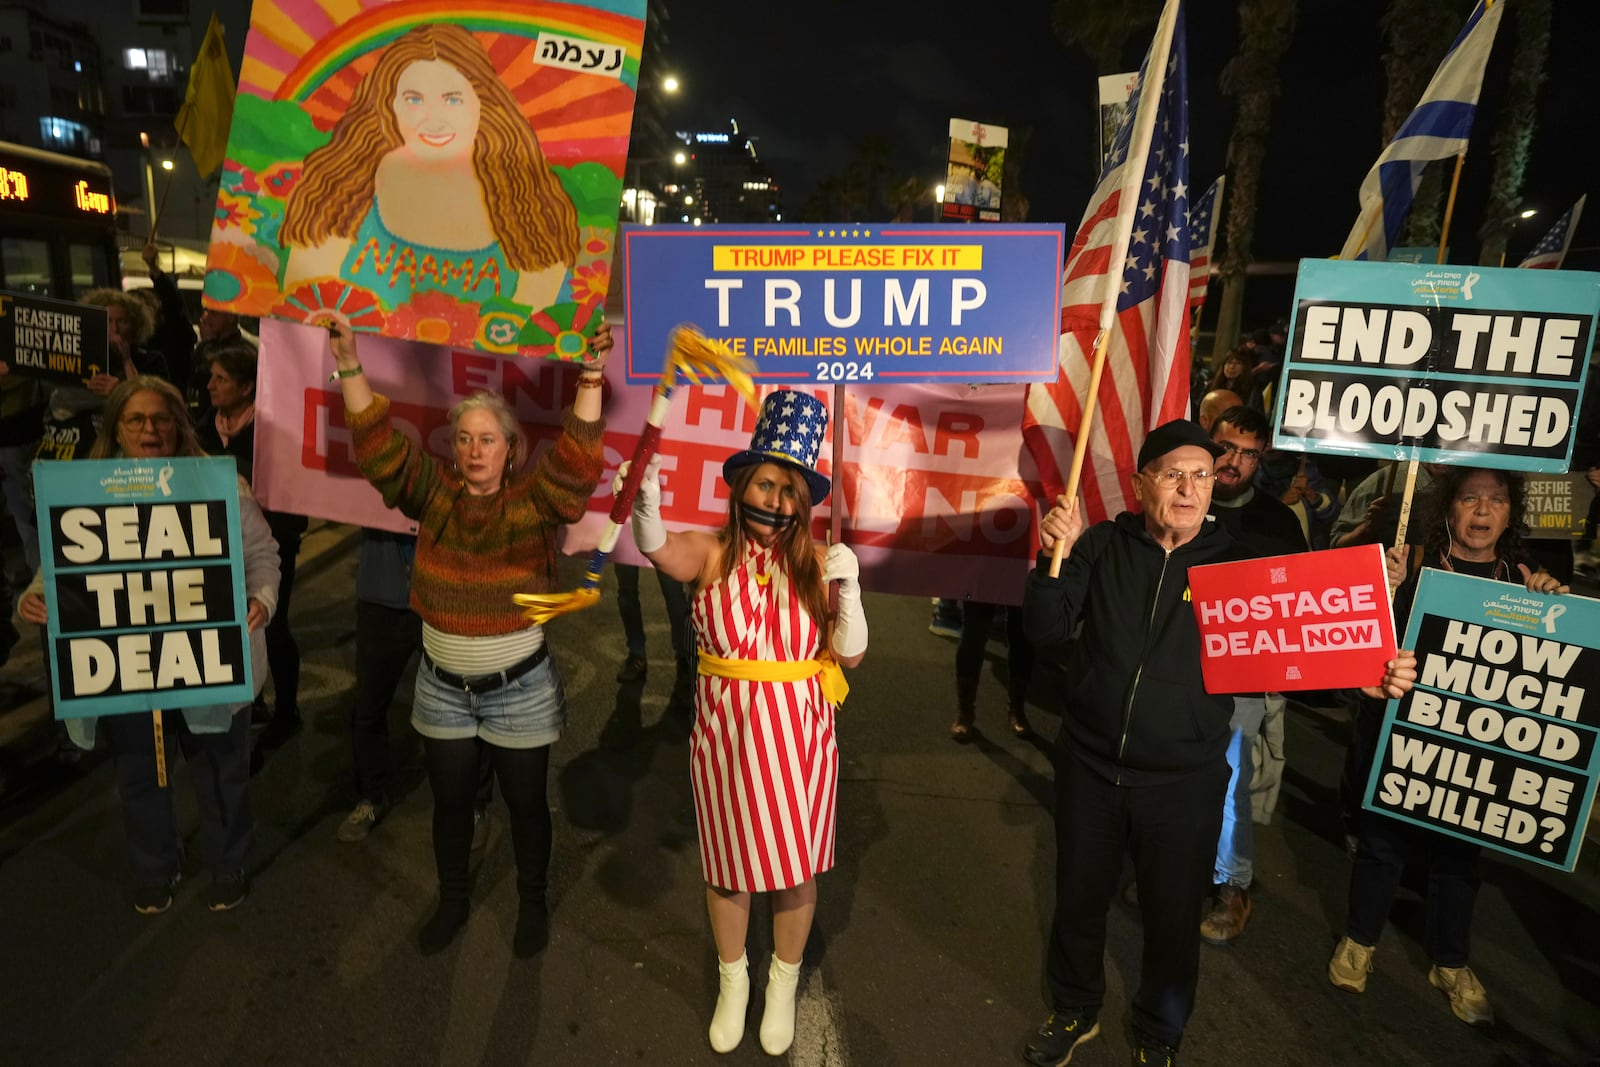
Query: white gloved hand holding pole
[[649, 534], [850, 625]]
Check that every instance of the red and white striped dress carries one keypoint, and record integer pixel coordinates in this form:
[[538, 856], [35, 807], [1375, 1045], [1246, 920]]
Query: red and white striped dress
[[763, 757]]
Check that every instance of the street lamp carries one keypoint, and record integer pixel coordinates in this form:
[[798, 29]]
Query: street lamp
[[1523, 216], [1530, 213], [679, 158], [166, 164], [669, 84]]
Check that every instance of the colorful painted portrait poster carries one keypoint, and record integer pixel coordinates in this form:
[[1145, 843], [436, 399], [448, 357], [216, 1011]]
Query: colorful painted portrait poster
[[432, 171], [972, 173]]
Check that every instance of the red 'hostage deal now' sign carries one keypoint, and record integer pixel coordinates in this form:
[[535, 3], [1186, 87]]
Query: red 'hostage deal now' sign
[[1315, 620]]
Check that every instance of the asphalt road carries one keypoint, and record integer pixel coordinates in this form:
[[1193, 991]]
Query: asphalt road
[[927, 947]]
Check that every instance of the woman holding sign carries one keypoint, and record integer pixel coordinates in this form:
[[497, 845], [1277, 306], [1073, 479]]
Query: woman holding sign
[[1474, 527], [763, 759], [486, 531], [146, 418]]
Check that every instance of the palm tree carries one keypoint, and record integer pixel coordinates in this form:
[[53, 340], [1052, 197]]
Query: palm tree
[[1013, 201], [1251, 76], [1513, 140], [1102, 27]]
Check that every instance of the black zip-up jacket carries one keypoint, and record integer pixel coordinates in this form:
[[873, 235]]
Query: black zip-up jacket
[[1136, 710]]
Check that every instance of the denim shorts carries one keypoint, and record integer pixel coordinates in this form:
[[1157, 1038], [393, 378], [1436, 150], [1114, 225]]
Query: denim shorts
[[528, 712]]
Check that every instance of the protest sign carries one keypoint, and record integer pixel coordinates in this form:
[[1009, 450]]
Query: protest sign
[[1496, 743], [1467, 365], [1312, 620], [974, 171], [144, 579], [422, 169], [935, 501], [852, 304], [1557, 507], [52, 339]]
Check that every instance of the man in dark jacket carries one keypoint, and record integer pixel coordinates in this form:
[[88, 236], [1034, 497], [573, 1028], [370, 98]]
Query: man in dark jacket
[[1141, 760]]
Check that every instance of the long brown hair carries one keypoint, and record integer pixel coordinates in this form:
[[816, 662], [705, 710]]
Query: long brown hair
[[530, 213], [106, 446], [796, 551]]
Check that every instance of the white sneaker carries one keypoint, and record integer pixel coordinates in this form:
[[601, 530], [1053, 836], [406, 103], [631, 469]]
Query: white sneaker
[[733, 998], [777, 1022]]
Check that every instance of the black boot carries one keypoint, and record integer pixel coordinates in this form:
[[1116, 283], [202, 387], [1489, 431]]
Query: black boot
[[966, 709]]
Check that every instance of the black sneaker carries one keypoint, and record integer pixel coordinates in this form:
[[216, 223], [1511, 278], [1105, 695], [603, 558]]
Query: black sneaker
[[228, 891], [1059, 1037], [1148, 1052], [155, 899]]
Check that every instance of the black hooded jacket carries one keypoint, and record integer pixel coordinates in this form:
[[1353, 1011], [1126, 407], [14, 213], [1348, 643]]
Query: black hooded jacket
[[1136, 709]]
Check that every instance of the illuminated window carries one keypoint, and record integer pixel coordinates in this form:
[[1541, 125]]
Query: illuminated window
[[158, 63], [64, 133]]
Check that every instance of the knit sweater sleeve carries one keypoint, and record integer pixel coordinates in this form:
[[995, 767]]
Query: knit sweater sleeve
[[405, 474], [566, 475]]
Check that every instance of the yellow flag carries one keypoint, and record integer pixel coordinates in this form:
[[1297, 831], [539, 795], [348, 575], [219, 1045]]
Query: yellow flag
[[208, 105]]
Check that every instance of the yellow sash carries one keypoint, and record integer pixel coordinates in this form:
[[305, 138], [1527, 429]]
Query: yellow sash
[[834, 686]]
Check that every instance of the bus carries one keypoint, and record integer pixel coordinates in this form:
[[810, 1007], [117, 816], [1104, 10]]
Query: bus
[[58, 224]]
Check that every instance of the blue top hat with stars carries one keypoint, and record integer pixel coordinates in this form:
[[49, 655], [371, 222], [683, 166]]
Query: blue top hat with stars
[[789, 431]]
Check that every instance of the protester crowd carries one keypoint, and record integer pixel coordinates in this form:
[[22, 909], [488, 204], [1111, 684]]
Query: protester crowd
[[1149, 765]]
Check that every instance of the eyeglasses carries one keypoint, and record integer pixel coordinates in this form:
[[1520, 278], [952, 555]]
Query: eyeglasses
[[1169, 479], [1251, 454], [137, 422]]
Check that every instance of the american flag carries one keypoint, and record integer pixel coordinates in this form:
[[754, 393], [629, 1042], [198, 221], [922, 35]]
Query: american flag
[[1202, 231], [1128, 273], [1552, 247], [1437, 128]]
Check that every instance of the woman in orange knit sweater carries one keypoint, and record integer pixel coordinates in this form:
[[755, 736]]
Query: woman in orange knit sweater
[[485, 531]]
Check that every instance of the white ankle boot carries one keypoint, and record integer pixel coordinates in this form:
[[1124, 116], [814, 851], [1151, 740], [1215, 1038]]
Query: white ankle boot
[[733, 997], [777, 1022]]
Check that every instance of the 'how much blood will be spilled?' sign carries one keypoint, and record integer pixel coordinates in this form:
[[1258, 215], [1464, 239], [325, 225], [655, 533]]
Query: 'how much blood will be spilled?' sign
[[1496, 744], [144, 579]]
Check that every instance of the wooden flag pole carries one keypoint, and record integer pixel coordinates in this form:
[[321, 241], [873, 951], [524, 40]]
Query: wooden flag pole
[[161, 748], [836, 512], [1411, 465], [1081, 445]]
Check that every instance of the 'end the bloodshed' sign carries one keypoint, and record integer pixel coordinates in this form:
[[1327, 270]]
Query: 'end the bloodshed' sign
[[52, 339], [144, 579], [1315, 620], [1448, 364], [1497, 742]]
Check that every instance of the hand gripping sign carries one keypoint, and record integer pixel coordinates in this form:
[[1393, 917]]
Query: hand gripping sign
[[1313, 620], [1496, 744]]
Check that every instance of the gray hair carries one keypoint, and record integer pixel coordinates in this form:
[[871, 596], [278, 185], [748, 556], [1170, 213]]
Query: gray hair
[[496, 405]]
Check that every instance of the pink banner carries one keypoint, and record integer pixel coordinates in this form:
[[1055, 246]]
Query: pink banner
[[935, 501]]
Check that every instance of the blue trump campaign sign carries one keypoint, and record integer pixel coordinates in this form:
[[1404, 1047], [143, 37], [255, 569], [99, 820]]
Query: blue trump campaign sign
[[1444, 363], [144, 579], [827, 304], [1496, 744]]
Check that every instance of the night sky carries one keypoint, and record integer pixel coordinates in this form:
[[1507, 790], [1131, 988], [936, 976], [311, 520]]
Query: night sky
[[810, 81]]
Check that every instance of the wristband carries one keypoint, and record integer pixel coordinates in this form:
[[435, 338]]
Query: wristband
[[344, 372], [586, 382]]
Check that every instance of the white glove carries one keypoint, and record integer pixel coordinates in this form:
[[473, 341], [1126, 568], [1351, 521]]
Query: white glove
[[649, 535], [841, 565], [850, 625]]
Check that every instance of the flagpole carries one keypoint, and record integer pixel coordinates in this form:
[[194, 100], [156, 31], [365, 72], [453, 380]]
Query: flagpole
[[171, 174], [1081, 445], [1450, 205]]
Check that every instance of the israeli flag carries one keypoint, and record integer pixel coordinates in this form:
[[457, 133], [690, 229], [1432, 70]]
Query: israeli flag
[[1436, 129]]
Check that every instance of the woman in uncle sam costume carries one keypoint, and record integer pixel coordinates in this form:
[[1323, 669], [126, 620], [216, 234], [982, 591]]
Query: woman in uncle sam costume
[[1474, 527], [763, 757], [146, 418]]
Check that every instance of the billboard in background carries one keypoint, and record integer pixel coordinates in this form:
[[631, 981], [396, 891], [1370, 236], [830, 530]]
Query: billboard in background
[[974, 168]]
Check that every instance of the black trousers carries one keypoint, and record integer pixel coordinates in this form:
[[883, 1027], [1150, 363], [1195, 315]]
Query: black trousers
[[628, 606], [283, 652], [1171, 831], [1385, 845], [219, 767], [977, 617], [455, 773], [387, 639]]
